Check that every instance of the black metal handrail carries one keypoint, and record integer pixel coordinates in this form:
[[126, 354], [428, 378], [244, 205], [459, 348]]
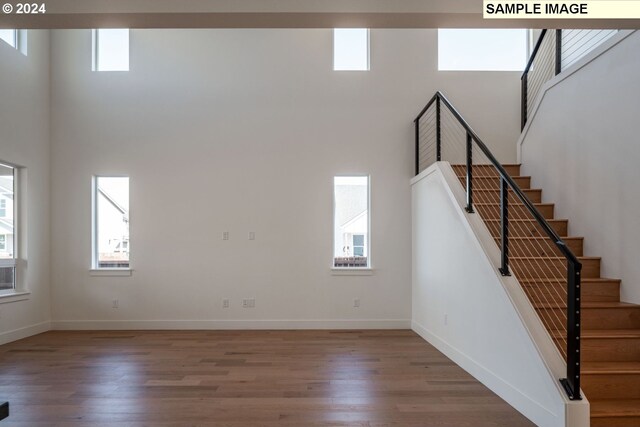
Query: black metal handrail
[[572, 382]]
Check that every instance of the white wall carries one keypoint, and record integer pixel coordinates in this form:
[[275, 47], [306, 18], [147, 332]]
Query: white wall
[[583, 148], [24, 141], [243, 130], [481, 320]]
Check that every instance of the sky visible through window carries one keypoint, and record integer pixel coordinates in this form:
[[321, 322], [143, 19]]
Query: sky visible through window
[[8, 36], [111, 50], [351, 49], [482, 49]]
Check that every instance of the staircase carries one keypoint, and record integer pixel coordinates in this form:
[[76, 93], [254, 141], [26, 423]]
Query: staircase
[[610, 328]]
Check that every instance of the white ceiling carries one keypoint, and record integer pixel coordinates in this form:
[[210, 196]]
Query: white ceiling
[[278, 14]]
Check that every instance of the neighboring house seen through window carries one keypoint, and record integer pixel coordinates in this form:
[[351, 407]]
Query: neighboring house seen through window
[[111, 222], [8, 239], [351, 222]]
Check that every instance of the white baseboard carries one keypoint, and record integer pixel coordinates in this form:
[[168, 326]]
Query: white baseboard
[[516, 398], [27, 331], [70, 325]]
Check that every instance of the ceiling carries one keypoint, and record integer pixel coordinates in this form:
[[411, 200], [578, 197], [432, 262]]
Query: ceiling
[[278, 14]]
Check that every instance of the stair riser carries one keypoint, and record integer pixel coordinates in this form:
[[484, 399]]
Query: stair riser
[[611, 386], [594, 318], [615, 422], [527, 229], [548, 268], [604, 292], [541, 247], [493, 196], [512, 170], [610, 349], [591, 292], [493, 183], [515, 211]]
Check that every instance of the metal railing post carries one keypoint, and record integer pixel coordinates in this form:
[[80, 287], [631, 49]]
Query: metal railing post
[[504, 222], [417, 146], [469, 207], [572, 382], [558, 51], [438, 133], [524, 89]]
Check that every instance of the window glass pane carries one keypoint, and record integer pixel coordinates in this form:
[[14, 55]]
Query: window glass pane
[[482, 49], [112, 211], [7, 228], [351, 221], [351, 49], [9, 36], [111, 50]]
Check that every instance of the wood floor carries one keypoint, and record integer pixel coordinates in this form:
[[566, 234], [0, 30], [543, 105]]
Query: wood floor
[[241, 379]]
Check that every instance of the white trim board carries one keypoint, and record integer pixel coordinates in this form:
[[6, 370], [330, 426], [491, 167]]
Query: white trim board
[[565, 74], [84, 325]]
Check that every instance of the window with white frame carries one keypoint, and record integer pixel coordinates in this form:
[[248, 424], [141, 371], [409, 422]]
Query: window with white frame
[[351, 49], [17, 39], [110, 49], [110, 222], [8, 255], [351, 222], [482, 49], [10, 37]]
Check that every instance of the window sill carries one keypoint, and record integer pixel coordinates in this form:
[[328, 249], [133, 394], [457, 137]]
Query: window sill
[[14, 297], [111, 272], [353, 271]]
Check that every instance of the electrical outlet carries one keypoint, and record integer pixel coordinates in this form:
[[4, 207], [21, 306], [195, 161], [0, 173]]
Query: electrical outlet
[[248, 303], [225, 235], [356, 303], [225, 303], [252, 235], [115, 304]]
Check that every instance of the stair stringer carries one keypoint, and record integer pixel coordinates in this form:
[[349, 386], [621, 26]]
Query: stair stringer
[[492, 330]]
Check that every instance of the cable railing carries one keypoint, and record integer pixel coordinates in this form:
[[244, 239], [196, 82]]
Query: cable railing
[[529, 240], [554, 51]]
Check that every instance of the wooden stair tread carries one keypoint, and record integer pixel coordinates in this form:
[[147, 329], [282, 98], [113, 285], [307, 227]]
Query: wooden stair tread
[[542, 237], [464, 177], [494, 190], [511, 220], [484, 165], [615, 408], [600, 333], [591, 304], [581, 258], [564, 281], [481, 204], [607, 368]]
